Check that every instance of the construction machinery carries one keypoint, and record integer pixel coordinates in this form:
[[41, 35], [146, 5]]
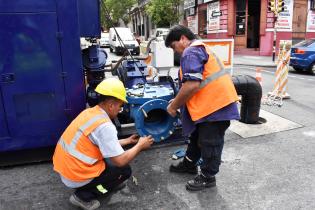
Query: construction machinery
[[47, 79]]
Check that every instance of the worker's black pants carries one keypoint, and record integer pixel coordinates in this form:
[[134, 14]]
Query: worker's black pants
[[110, 178], [207, 142]]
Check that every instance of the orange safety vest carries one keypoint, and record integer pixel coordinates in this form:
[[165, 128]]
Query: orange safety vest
[[216, 89], [76, 157]]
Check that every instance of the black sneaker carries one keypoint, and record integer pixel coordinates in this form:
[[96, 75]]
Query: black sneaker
[[87, 205], [183, 167], [200, 182]]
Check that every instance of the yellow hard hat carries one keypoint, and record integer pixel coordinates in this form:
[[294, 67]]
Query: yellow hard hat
[[112, 87]]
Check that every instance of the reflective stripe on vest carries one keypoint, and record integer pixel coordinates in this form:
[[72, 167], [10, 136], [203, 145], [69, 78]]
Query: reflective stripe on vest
[[216, 87], [223, 71], [71, 148]]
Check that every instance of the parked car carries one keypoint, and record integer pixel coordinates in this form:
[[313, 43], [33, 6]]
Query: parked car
[[104, 40], [303, 56], [126, 37], [161, 32]]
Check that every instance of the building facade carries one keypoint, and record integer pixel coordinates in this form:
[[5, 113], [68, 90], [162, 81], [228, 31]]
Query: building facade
[[141, 23], [250, 23]]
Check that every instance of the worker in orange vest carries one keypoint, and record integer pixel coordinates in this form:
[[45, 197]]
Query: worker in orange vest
[[91, 137], [207, 98]]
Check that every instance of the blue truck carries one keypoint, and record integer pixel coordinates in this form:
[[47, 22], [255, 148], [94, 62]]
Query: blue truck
[[41, 70]]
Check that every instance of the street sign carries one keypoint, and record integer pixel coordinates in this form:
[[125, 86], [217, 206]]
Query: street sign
[[216, 13]]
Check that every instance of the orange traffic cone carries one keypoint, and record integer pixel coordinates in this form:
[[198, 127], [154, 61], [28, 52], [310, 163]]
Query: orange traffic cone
[[258, 75]]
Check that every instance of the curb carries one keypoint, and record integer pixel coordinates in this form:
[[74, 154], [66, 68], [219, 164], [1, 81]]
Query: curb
[[255, 65]]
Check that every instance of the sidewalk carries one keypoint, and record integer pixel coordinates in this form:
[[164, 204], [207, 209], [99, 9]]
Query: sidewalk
[[248, 60]]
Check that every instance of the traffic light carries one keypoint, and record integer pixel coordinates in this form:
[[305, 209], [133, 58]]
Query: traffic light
[[271, 6], [280, 7]]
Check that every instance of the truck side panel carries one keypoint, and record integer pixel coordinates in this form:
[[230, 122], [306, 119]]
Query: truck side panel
[[42, 80]]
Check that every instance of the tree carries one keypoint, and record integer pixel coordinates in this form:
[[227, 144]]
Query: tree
[[118, 10], [164, 12]]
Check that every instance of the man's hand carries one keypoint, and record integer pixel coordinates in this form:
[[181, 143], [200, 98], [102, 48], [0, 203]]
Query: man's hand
[[170, 109], [130, 154], [145, 142], [133, 139], [188, 89]]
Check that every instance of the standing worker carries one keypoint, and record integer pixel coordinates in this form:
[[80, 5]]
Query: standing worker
[[91, 137], [207, 98]]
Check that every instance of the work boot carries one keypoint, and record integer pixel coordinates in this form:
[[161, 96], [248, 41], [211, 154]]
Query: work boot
[[200, 182], [86, 205], [184, 167]]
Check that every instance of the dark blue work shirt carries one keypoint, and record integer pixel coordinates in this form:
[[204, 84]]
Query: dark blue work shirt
[[192, 63]]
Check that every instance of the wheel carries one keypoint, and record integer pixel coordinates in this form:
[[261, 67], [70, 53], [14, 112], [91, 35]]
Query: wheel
[[311, 69], [298, 69]]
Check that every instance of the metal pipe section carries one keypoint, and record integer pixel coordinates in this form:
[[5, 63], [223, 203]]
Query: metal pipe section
[[147, 106], [151, 118], [250, 90]]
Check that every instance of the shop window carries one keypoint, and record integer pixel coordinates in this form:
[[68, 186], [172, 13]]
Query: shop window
[[240, 17], [202, 16]]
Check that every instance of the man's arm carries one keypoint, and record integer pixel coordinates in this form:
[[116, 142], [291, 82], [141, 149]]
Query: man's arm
[[188, 89], [130, 154]]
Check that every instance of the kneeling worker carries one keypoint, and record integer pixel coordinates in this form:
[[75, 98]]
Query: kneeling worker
[[91, 137]]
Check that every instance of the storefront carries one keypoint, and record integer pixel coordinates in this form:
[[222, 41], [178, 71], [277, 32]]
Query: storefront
[[250, 23]]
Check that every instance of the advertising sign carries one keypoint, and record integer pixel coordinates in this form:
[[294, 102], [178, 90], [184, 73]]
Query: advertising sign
[[224, 49], [310, 19], [214, 14], [192, 24], [284, 22], [189, 3]]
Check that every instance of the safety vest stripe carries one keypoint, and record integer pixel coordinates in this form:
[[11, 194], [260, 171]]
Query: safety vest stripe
[[214, 76], [223, 71], [196, 75], [91, 121], [72, 151], [217, 59], [71, 148], [75, 139], [82, 128]]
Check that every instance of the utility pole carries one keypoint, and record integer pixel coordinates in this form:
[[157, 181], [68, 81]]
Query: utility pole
[[275, 6]]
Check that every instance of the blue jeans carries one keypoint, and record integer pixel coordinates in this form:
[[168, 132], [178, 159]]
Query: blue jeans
[[207, 142]]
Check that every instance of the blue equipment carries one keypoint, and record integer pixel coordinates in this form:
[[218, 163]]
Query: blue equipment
[[41, 69], [148, 101]]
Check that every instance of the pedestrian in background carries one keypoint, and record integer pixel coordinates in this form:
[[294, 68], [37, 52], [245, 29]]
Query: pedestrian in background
[[207, 98], [91, 137]]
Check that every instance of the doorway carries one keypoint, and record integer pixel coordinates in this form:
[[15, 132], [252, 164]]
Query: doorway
[[253, 25], [299, 21], [247, 24]]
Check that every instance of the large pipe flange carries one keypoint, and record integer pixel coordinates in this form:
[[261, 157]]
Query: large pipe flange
[[152, 119]]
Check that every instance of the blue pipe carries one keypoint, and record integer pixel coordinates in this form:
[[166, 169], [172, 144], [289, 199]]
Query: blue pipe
[[147, 105]]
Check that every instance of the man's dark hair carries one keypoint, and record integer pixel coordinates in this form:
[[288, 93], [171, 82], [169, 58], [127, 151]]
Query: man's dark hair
[[176, 32], [103, 98]]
